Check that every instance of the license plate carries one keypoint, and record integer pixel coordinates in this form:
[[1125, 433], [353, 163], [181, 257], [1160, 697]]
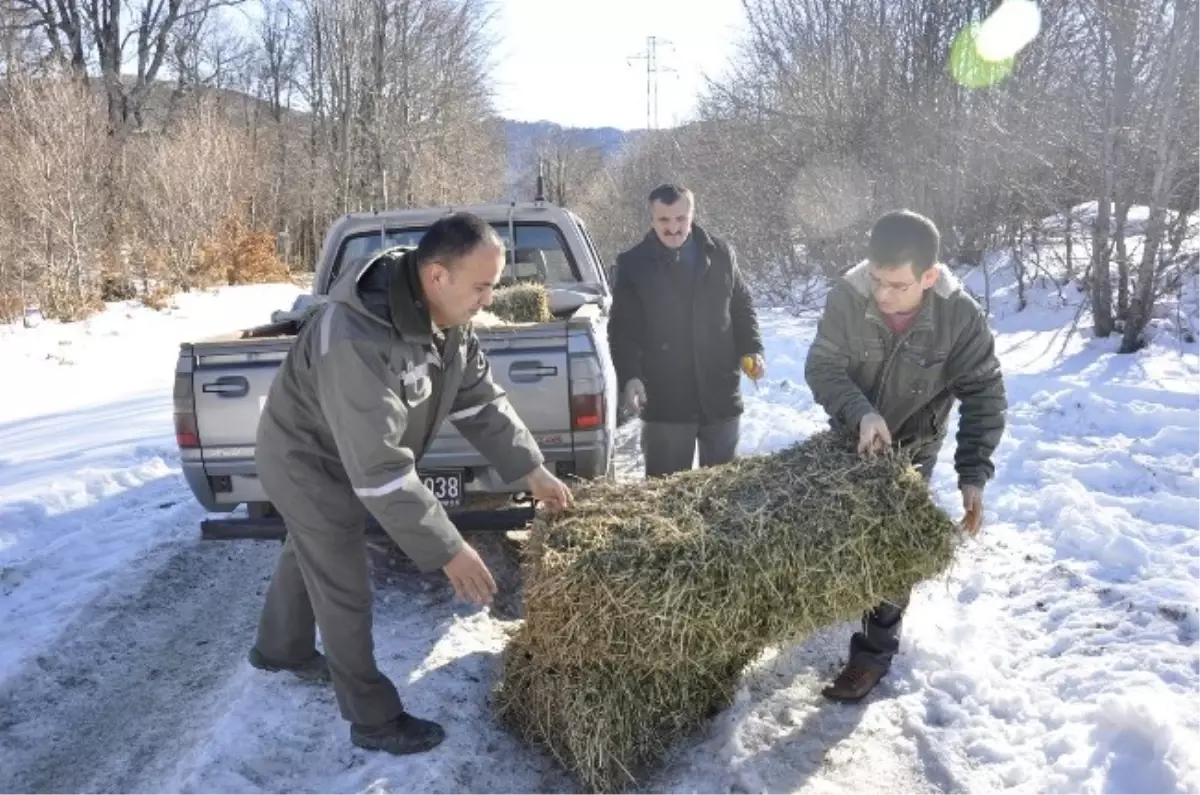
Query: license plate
[[447, 486]]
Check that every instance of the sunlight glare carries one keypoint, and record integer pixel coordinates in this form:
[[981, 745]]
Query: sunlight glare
[[1009, 28]]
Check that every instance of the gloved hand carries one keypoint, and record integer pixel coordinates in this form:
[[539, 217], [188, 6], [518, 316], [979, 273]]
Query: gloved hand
[[634, 398], [754, 367]]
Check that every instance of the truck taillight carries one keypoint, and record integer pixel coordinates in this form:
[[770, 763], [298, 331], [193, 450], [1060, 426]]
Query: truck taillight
[[587, 412], [587, 385], [187, 434]]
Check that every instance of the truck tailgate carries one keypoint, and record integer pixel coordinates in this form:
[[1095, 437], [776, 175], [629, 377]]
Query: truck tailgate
[[230, 382], [532, 365]]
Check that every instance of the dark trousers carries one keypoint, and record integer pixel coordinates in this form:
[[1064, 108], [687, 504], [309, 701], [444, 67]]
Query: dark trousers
[[879, 639], [671, 446], [322, 582]]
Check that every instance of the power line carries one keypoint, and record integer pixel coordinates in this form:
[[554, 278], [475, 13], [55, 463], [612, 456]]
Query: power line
[[653, 68]]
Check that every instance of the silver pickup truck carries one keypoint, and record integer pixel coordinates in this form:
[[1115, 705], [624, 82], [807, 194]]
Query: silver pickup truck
[[558, 375]]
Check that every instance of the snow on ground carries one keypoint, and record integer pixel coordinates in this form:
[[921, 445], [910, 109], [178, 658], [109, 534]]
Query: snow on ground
[[1059, 655], [88, 462]]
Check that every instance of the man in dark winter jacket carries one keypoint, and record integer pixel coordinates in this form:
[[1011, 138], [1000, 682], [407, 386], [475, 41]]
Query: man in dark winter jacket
[[370, 379], [682, 324], [898, 342]]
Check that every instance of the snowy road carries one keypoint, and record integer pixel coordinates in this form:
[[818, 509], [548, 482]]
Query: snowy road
[[136, 681], [1059, 655]]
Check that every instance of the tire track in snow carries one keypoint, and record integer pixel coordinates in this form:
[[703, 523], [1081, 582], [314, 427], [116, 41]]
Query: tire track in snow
[[133, 683]]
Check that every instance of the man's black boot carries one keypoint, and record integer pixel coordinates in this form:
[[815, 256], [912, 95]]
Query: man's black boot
[[404, 734]]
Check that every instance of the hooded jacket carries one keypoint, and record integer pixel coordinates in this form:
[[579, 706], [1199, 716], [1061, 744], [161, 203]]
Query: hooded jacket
[[360, 396], [857, 366]]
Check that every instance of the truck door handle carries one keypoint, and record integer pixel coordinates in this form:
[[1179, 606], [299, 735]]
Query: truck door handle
[[528, 371], [228, 386]]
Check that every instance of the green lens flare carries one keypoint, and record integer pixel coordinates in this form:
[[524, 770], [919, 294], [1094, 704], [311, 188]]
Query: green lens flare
[[970, 69], [983, 52]]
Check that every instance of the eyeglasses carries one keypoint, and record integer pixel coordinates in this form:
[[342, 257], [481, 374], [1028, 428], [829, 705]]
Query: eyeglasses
[[890, 287]]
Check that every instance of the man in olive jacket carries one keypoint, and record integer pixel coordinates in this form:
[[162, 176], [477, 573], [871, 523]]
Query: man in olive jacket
[[898, 342], [369, 380], [682, 324]]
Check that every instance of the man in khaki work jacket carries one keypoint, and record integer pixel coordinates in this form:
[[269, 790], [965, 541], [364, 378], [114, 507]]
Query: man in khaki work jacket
[[899, 341], [370, 379]]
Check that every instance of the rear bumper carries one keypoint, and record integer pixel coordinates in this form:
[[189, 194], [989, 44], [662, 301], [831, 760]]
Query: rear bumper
[[201, 486], [235, 528]]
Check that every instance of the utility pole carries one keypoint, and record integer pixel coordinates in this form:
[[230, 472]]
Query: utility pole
[[653, 68]]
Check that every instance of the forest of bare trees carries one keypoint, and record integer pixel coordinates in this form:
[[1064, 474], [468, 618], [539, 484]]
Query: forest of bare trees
[[146, 144], [839, 110], [138, 137]]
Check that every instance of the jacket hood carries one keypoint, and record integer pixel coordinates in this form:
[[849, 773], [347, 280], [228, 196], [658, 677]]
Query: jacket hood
[[859, 277], [386, 289]]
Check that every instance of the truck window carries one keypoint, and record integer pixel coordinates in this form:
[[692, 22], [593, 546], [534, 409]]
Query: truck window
[[587, 239], [540, 253]]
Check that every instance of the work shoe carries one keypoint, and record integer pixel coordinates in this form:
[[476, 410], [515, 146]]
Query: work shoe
[[314, 669], [854, 682], [403, 734]]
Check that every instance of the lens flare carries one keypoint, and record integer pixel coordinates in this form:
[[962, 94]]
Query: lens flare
[[1008, 30], [983, 53]]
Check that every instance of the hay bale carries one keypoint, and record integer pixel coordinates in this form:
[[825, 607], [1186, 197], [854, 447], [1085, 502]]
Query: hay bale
[[644, 603], [522, 302], [602, 722], [485, 319]]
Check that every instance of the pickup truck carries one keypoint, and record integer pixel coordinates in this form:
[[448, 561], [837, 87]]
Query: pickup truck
[[558, 375]]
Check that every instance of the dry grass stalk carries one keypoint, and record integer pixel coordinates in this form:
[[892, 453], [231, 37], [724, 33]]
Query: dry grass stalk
[[644, 603]]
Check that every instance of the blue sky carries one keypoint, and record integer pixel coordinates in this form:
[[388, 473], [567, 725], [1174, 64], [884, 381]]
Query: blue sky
[[566, 60]]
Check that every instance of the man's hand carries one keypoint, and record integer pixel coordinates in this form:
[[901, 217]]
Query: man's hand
[[972, 497], [873, 435], [549, 490], [470, 576], [754, 367], [635, 396]]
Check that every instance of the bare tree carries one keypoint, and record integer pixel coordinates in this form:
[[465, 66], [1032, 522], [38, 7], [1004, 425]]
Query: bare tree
[[1176, 95], [51, 134], [117, 33], [192, 181], [21, 45]]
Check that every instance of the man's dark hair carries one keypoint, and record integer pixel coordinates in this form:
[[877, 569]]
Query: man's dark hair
[[904, 238], [668, 193], [453, 237]]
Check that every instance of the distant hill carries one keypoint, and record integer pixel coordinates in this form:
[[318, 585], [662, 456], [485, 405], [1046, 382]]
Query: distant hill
[[609, 139], [523, 138]]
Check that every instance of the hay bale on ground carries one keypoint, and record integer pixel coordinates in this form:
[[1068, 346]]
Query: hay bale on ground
[[644, 603], [522, 303], [605, 721]]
